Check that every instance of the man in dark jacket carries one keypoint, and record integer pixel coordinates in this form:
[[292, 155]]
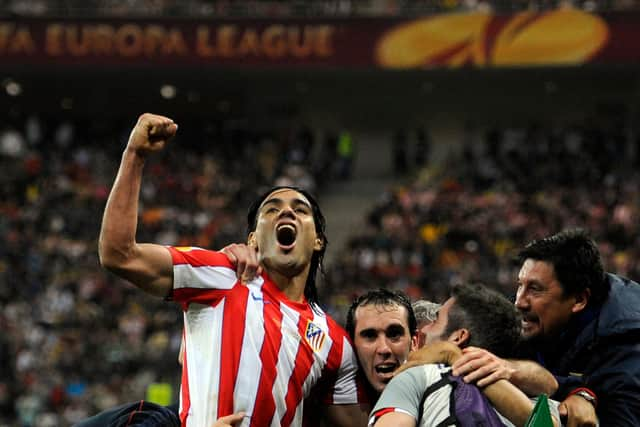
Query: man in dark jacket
[[582, 324]]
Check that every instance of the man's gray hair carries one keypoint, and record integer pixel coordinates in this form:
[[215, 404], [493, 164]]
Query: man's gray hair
[[425, 310]]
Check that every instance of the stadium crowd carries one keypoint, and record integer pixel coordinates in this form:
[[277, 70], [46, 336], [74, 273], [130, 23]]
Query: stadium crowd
[[73, 336], [462, 220]]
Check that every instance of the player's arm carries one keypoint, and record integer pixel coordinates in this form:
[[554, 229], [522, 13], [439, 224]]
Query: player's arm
[[512, 403], [147, 266], [482, 367], [347, 415]]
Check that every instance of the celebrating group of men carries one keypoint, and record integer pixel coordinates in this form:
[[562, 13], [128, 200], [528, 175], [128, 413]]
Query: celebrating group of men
[[259, 350]]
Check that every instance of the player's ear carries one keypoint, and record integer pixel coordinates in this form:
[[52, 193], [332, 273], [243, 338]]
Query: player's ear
[[414, 342], [251, 240], [459, 337], [318, 244], [581, 300]]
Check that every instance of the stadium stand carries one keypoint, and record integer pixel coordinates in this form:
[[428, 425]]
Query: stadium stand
[[73, 336]]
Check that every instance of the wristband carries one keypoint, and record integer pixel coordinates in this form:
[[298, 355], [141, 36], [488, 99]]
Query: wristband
[[586, 394]]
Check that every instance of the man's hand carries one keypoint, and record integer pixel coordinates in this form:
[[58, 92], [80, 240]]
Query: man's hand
[[230, 420], [151, 133], [245, 259], [482, 367], [437, 352], [578, 412]]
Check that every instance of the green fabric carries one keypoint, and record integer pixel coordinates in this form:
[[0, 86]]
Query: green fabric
[[540, 417]]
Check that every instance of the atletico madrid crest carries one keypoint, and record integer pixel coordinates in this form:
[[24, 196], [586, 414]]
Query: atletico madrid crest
[[314, 336]]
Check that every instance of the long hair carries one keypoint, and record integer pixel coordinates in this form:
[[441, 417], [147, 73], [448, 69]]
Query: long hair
[[310, 289]]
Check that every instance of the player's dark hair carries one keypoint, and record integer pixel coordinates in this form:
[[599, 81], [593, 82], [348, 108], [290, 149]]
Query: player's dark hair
[[492, 320], [381, 298]]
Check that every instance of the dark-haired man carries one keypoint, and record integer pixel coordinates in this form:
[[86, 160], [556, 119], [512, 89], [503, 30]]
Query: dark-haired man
[[419, 396], [382, 325], [260, 348], [582, 324]]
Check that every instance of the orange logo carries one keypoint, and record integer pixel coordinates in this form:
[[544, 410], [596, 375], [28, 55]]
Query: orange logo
[[559, 37]]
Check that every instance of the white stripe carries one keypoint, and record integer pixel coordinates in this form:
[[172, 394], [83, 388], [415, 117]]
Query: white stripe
[[297, 418], [205, 277], [203, 336], [286, 360], [320, 357], [250, 366], [346, 390]]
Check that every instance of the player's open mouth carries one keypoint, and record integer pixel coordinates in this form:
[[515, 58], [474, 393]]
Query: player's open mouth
[[286, 235], [529, 321], [385, 370]]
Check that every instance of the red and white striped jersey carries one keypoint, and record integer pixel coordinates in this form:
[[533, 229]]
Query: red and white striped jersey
[[249, 348]]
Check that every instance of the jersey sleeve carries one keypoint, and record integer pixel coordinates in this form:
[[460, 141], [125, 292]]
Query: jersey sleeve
[[402, 394], [342, 382], [200, 275], [348, 387]]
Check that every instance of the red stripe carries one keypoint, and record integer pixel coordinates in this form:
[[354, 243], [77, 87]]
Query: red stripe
[[233, 324], [304, 360], [134, 412], [200, 258], [265, 403], [384, 411]]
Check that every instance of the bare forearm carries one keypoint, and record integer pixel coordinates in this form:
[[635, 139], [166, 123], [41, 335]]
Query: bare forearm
[[509, 401], [120, 219], [532, 378]]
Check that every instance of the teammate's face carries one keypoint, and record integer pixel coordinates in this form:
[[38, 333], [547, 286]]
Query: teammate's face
[[285, 233], [540, 298], [382, 340]]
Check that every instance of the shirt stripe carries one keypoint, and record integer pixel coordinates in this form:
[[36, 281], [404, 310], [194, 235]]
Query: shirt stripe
[[203, 325], [233, 331], [286, 359], [265, 407], [250, 366]]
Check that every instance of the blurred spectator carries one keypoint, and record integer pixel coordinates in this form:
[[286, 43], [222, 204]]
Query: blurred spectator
[[345, 155]]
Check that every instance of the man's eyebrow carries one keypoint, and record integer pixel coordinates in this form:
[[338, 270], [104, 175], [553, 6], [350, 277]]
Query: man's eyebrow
[[396, 327], [301, 202], [278, 201], [274, 201]]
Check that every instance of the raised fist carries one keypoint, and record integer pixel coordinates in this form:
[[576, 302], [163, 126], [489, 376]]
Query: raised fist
[[151, 133]]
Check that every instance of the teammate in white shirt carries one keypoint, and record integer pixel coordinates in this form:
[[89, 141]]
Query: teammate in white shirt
[[260, 348]]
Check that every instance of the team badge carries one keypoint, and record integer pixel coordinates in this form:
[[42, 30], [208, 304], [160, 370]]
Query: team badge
[[314, 336]]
